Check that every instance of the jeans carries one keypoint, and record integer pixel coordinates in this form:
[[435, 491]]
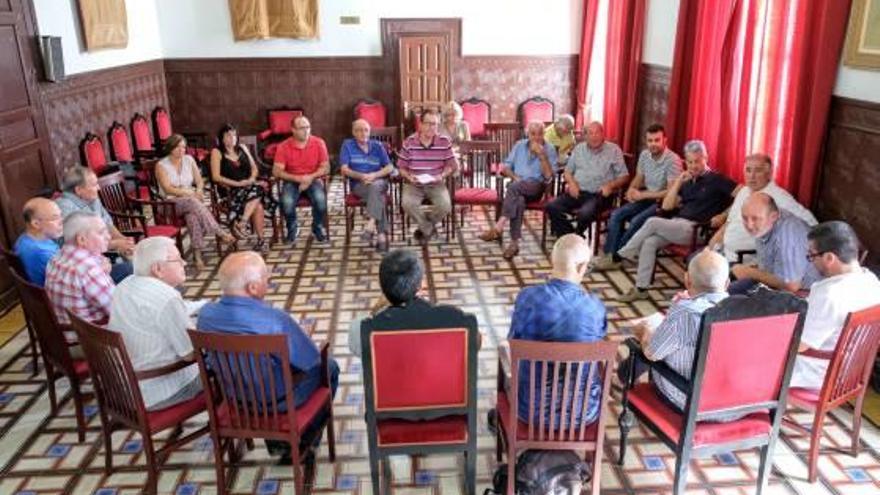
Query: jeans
[[636, 213], [317, 196]]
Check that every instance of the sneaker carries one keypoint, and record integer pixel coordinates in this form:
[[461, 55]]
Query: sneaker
[[382, 244], [320, 234], [634, 294], [420, 237], [490, 235], [292, 234], [606, 263]]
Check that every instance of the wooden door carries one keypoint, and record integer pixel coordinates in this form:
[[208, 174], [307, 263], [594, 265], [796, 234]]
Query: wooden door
[[25, 164], [424, 68]]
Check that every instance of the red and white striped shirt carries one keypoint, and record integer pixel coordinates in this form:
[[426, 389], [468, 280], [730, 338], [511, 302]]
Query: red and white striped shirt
[[76, 281]]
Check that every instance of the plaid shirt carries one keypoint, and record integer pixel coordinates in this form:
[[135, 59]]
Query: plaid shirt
[[76, 280]]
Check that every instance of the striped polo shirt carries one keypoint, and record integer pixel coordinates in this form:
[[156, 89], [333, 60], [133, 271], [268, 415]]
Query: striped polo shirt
[[416, 158]]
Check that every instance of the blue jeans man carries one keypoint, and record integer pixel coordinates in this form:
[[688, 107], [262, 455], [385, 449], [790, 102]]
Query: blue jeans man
[[290, 194], [636, 213]]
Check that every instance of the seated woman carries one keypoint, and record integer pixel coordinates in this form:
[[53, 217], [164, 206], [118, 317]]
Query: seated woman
[[365, 162], [235, 171], [453, 126], [180, 181]]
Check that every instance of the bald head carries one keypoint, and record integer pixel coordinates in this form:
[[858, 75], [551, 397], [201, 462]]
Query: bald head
[[571, 255], [759, 213], [42, 218], [244, 274], [708, 271], [595, 133]]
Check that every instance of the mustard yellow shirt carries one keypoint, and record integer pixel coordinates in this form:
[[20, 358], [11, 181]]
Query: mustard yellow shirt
[[564, 143]]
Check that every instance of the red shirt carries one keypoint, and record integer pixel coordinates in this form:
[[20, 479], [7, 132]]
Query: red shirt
[[301, 161]]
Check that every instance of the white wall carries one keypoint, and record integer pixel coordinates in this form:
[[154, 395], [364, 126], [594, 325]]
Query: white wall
[[858, 84], [660, 22], [61, 18], [201, 28]]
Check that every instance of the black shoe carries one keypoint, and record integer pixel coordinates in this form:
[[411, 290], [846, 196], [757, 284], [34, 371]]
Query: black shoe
[[320, 234], [420, 237], [492, 420], [292, 234]]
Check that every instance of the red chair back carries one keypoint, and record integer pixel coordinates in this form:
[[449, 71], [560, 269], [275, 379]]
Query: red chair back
[[419, 369], [242, 391], [92, 154], [536, 108], [120, 145], [567, 371], [116, 385], [477, 113], [850, 369], [280, 120], [373, 111], [746, 361], [140, 133], [161, 124]]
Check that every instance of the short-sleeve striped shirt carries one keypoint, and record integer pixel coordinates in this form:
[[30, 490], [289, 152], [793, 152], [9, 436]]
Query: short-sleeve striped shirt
[[661, 172], [416, 158], [783, 251]]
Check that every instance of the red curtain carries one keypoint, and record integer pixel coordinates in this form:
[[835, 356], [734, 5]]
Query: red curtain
[[591, 9], [626, 27], [756, 76]]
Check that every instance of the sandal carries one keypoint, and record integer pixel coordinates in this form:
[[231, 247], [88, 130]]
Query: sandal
[[261, 247], [511, 251], [238, 230]]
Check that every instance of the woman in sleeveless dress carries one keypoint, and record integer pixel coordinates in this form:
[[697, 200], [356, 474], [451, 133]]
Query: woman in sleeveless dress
[[180, 181], [235, 171]]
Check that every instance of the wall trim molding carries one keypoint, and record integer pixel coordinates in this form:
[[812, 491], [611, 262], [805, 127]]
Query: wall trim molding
[[97, 79]]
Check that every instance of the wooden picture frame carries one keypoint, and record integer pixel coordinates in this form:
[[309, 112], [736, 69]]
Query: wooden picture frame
[[104, 24], [863, 35]]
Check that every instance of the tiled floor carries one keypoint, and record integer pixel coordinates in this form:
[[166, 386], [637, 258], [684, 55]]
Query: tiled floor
[[324, 287]]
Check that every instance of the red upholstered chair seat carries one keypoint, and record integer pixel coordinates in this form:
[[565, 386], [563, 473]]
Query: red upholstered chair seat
[[176, 414], [162, 230], [804, 397], [305, 414], [398, 432], [679, 250], [537, 205], [591, 431], [198, 153], [81, 367], [270, 150], [476, 196], [352, 200], [643, 397]]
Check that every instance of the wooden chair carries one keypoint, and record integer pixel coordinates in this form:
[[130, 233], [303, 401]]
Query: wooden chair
[[420, 390], [600, 223], [743, 361], [412, 112], [280, 128], [127, 211], [847, 378], [247, 402], [388, 136], [196, 142], [539, 205], [556, 405], [120, 402], [506, 133], [475, 184], [279, 221], [93, 155], [373, 111], [15, 265], [55, 348], [353, 205], [142, 139], [477, 113], [536, 108]]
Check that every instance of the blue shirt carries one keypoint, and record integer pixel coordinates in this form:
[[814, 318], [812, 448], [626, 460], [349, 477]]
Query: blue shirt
[[245, 315], [525, 164], [782, 251], [558, 311], [35, 255], [373, 160]]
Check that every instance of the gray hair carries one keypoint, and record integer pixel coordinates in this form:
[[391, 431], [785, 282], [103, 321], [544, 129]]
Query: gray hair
[[150, 251], [696, 146], [534, 123], [237, 280], [74, 177], [708, 271], [77, 223], [567, 120], [455, 107]]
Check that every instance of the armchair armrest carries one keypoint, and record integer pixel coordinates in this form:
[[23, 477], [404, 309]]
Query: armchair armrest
[[659, 367], [816, 353], [265, 134], [742, 253], [166, 369], [325, 364]]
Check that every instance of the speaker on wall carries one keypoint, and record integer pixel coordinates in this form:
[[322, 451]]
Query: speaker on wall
[[53, 60]]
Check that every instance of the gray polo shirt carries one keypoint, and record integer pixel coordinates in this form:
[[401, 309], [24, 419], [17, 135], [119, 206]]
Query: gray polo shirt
[[70, 202], [594, 168], [661, 172], [783, 251]]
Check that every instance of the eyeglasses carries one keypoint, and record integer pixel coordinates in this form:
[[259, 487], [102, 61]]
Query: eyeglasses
[[176, 260], [811, 256]]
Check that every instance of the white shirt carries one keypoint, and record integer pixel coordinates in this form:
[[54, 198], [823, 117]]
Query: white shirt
[[830, 301], [736, 238], [152, 318]]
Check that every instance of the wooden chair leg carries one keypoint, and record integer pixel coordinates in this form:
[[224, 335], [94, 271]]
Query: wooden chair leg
[[681, 470], [299, 486], [470, 470], [50, 384], [78, 410], [386, 474], [857, 424], [32, 339], [107, 432], [511, 466], [331, 437], [152, 486], [498, 452], [625, 421], [815, 441], [219, 467], [766, 464]]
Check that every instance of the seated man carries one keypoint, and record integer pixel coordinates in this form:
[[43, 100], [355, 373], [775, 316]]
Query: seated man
[[697, 195], [560, 134], [39, 242], [675, 340], [78, 277], [150, 313], [300, 161], [657, 168], [365, 162], [560, 310], [80, 193], [594, 171], [244, 280], [529, 166], [732, 236], [781, 242], [846, 287], [425, 161]]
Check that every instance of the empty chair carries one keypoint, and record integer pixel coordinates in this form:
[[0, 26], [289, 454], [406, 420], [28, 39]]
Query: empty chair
[[536, 108], [373, 111], [477, 113]]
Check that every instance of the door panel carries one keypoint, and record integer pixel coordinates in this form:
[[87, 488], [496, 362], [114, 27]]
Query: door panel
[[424, 68]]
